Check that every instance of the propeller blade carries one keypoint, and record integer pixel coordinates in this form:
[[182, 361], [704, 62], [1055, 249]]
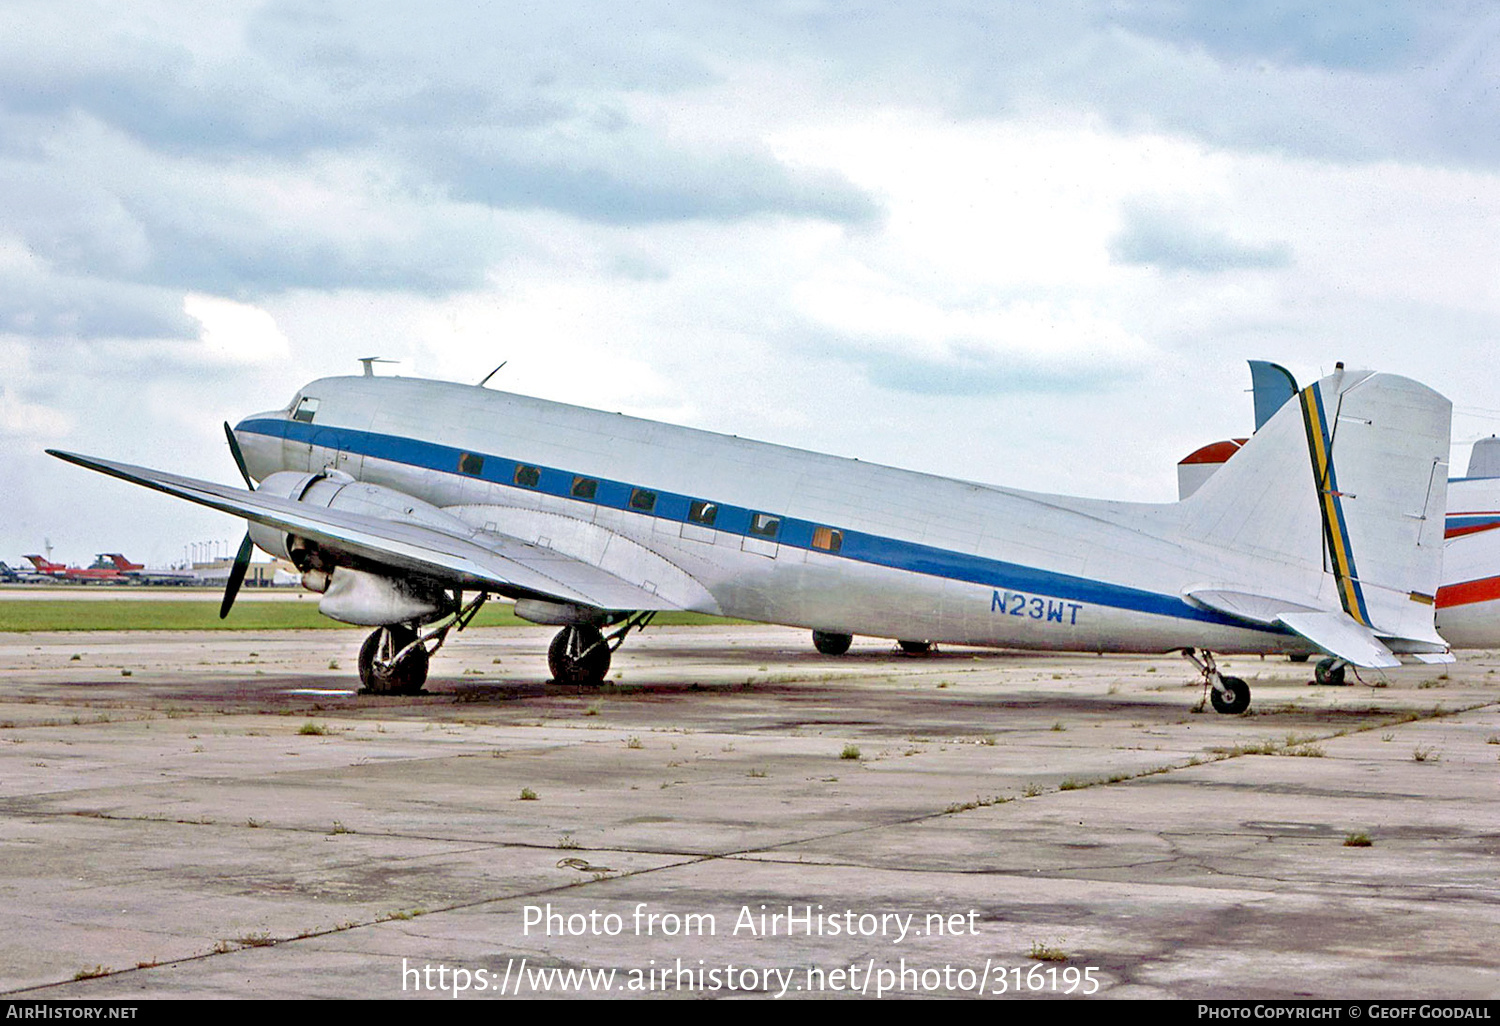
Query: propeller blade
[[239, 461], [236, 575]]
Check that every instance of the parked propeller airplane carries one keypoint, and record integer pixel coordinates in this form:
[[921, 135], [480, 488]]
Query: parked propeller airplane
[[398, 497]]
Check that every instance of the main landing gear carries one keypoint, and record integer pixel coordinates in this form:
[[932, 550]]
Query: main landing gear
[[394, 659], [580, 654], [390, 663], [1230, 695], [1330, 671], [831, 643]]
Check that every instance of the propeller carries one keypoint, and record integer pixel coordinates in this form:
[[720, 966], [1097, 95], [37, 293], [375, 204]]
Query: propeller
[[236, 575], [247, 547], [239, 457]]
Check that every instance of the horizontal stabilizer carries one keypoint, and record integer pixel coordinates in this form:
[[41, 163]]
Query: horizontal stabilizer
[[1262, 609], [1339, 634]]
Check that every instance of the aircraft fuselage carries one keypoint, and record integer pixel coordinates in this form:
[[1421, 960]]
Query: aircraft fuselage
[[769, 533]]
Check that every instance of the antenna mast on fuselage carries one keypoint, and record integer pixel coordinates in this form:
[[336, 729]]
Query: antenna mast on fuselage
[[369, 363]]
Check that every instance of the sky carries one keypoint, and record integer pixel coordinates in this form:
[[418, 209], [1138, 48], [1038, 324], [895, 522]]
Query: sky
[[1029, 244]]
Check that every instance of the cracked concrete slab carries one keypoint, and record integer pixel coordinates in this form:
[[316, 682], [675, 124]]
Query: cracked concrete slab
[[231, 820]]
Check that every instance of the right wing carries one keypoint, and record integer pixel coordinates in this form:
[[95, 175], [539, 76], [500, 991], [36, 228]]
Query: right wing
[[478, 560]]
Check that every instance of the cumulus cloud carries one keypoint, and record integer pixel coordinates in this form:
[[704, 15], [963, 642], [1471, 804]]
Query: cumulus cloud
[[710, 211], [1176, 240], [236, 333], [1352, 34]]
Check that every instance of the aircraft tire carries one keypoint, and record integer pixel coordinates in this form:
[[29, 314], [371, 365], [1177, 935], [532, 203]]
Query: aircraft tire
[[832, 644], [569, 666], [915, 647], [1326, 673], [406, 677], [1300, 657], [1238, 699]]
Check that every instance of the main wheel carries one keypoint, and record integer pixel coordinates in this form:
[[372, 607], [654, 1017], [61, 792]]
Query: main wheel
[[376, 672], [832, 644], [1326, 672], [915, 647], [1300, 657], [578, 655], [1236, 701]]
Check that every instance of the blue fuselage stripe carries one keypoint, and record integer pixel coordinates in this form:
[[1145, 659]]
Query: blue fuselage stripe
[[856, 545]]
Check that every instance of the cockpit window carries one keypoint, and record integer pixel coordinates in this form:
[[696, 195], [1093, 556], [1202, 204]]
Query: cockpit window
[[306, 410]]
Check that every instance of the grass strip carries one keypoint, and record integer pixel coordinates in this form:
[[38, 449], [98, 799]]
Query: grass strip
[[148, 615]]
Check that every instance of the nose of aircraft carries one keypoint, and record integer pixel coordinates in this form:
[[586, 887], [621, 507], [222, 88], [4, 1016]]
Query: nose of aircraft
[[261, 451]]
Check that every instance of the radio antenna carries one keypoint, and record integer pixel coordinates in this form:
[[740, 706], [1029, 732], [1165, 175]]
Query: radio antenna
[[371, 361]]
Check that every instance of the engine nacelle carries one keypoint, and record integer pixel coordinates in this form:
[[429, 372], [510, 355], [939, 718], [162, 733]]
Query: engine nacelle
[[353, 595], [375, 600], [284, 484], [334, 489], [562, 614]]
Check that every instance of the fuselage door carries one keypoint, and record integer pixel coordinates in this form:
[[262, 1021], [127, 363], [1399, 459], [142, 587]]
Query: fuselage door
[[313, 444]]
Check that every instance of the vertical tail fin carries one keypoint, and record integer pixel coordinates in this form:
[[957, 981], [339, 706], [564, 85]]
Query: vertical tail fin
[[1342, 495]]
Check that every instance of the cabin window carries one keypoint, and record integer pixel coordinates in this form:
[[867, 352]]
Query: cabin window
[[704, 513], [470, 464], [641, 499], [764, 525], [827, 539], [306, 410], [528, 477], [585, 488]]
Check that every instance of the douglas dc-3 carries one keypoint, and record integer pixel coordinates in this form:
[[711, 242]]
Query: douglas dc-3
[[406, 503]]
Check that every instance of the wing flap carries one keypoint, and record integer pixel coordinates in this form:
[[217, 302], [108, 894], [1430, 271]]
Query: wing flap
[[484, 559]]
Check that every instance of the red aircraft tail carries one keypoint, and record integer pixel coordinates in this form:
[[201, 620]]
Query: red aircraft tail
[[122, 564]]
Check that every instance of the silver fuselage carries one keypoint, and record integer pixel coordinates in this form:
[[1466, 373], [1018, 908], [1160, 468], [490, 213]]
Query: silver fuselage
[[856, 548]]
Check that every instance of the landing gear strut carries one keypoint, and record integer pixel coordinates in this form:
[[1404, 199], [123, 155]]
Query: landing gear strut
[[580, 654], [1230, 695], [394, 659]]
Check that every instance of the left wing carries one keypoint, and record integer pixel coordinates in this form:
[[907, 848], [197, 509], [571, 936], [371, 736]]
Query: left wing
[[463, 556]]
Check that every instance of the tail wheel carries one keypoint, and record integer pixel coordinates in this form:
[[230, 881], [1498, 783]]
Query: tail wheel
[[832, 644], [380, 674], [1329, 671], [1234, 699], [578, 655]]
